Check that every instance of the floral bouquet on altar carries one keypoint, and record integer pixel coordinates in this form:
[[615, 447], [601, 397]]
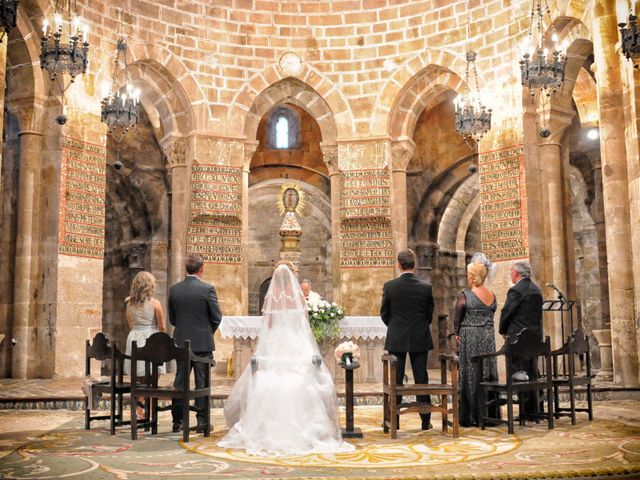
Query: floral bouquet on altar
[[324, 319], [347, 353]]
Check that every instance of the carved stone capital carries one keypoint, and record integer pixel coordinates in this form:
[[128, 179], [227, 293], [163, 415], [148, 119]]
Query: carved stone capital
[[330, 156], [250, 148], [30, 113], [175, 150], [401, 153]]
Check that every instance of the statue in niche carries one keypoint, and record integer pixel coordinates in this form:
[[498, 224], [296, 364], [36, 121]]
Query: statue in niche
[[290, 203]]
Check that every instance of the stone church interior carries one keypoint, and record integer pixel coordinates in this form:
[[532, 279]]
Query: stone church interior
[[332, 134]]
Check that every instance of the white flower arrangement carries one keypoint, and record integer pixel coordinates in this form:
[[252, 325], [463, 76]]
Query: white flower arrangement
[[347, 353], [324, 319]]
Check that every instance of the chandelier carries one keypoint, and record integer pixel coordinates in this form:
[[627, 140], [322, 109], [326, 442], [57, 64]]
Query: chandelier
[[540, 67], [473, 119], [64, 47], [630, 38], [8, 16], [120, 107]]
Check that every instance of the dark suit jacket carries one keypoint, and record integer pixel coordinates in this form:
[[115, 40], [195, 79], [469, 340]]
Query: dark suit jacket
[[522, 309], [407, 310], [195, 313]]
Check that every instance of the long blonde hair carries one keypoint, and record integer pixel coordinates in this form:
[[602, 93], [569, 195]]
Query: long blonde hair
[[142, 287], [478, 271]]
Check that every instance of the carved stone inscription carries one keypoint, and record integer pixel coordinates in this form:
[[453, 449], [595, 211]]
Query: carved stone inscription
[[366, 243], [365, 194], [366, 238], [215, 230], [82, 198], [503, 209]]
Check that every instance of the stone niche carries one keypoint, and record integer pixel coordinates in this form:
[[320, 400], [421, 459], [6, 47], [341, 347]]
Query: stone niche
[[137, 222], [263, 245], [270, 168]]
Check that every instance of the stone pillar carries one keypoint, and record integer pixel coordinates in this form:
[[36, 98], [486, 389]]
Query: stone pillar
[[551, 161], [23, 315], [366, 247], [330, 159], [3, 74], [401, 153], [250, 148], [216, 218], [615, 183], [176, 152]]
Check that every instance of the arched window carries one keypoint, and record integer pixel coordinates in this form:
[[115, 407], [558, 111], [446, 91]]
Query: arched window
[[282, 132], [283, 129]]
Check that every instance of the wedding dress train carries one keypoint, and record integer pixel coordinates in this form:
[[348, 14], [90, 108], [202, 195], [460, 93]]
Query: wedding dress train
[[285, 404]]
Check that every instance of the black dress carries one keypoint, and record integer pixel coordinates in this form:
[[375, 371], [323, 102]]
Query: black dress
[[473, 323]]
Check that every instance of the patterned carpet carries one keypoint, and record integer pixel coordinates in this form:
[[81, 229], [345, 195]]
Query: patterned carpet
[[608, 447]]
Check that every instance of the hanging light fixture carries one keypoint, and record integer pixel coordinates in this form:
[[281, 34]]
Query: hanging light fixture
[[64, 44], [630, 39], [8, 16], [121, 107], [473, 119], [541, 68]]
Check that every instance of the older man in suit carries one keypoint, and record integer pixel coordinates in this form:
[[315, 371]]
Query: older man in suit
[[407, 310], [522, 309], [196, 315]]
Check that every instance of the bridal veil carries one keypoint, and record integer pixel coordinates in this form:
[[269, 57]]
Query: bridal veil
[[285, 403]]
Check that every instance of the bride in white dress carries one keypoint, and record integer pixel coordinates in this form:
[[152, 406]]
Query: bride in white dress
[[286, 403]]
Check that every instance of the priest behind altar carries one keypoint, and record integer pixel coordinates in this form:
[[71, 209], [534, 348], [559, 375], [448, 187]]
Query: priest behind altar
[[310, 296]]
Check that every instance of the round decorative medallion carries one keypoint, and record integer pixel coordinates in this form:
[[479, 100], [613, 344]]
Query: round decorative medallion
[[291, 63]]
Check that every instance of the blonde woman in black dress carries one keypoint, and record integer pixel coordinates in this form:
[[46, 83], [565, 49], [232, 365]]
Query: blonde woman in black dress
[[474, 329]]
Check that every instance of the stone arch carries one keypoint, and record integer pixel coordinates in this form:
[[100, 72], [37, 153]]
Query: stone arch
[[450, 229], [310, 90], [424, 226], [398, 105], [171, 96], [291, 90], [23, 55]]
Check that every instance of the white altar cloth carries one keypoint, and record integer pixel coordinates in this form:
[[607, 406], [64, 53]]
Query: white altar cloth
[[248, 327]]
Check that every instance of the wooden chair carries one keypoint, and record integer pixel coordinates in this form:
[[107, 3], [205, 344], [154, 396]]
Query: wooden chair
[[528, 348], [101, 349], [448, 386], [567, 374], [160, 348]]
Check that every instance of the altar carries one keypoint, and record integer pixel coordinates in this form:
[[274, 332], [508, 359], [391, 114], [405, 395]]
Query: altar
[[367, 332]]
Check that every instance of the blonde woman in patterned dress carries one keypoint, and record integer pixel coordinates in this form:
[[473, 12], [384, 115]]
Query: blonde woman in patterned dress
[[474, 329]]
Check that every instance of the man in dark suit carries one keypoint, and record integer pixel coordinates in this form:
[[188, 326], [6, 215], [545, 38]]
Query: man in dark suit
[[522, 309], [407, 310], [196, 315]]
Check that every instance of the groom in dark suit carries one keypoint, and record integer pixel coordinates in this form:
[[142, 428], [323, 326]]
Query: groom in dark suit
[[196, 315], [522, 309], [407, 310]]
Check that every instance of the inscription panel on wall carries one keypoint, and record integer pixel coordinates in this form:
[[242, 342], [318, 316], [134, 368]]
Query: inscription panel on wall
[[504, 227], [215, 230], [82, 198], [366, 238]]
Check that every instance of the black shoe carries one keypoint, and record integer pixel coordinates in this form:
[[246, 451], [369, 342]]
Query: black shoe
[[427, 426], [201, 428], [177, 426]]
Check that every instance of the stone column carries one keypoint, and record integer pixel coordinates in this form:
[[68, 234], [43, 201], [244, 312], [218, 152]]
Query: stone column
[[3, 74], [551, 160], [250, 148], [615, 183], [401, 153], [330, 159], [176, 152], [23, 316]]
